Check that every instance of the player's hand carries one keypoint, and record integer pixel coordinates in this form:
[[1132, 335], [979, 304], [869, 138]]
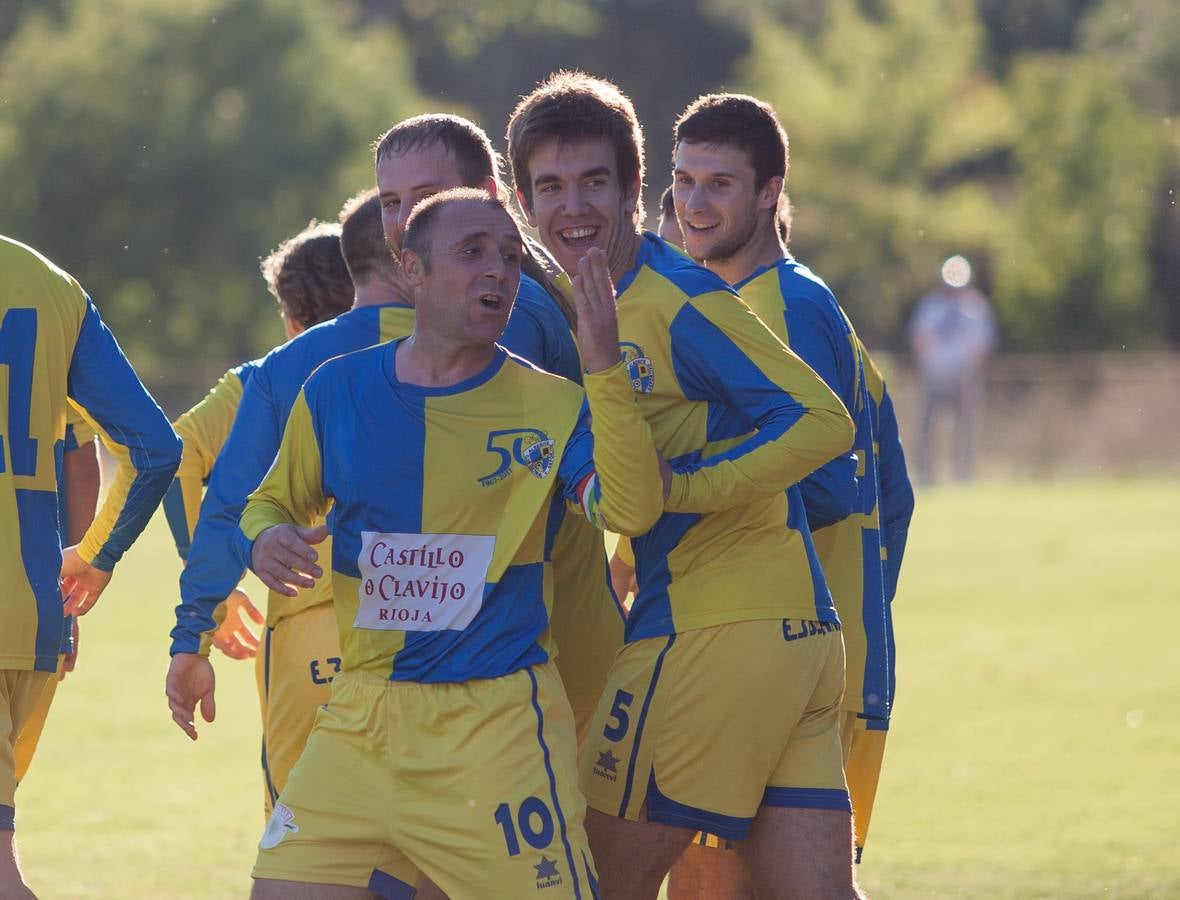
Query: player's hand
[[81, 583], [233, 636], [70, 660], [190, 680], [594, 302], [284, 560]]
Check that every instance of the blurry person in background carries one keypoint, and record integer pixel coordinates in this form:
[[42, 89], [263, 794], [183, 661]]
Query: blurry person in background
[[952, 333], [669, 226]]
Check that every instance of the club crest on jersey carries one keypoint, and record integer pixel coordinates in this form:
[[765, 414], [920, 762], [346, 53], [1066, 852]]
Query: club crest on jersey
[[528, 447], [639, 368]]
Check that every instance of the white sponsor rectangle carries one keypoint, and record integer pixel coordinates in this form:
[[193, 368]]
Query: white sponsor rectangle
[[421, 582]]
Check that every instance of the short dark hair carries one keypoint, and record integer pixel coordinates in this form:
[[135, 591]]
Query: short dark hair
[[470, 144], [741, 121], [572, 106], [362, 239], [308, 276], [420, 225]]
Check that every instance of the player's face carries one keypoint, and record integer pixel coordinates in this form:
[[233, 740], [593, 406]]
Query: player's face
[[408, 178], [716, 200], [467, 295], [578, 200], [669, 230]]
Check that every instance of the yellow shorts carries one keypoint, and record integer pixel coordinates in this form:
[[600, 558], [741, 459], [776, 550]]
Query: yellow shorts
[[20, 692], [586, 621], [691, 732], [473, 783], [864, 752], [294, 668], [30, 734]]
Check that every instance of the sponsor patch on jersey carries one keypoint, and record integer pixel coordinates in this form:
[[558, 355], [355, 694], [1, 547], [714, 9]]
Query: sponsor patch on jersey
[[281, 824], [639, 368], [421, 582]]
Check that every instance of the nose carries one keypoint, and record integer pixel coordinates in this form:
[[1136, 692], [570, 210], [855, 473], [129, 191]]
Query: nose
[[403, 216], [575, 203], [695, 199]]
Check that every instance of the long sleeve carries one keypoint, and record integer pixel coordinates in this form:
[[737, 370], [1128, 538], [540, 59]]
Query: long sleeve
[[723, 353], [107, 392]]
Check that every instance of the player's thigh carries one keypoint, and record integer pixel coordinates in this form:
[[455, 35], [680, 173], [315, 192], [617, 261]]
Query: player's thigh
[[490, 803], [331, 824], [20, 692], [705, 872], [304, 657], [269, 889], [693, 726], [800, 854], [30, 732]]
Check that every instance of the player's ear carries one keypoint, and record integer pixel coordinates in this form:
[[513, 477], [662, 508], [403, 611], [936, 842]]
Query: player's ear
[[490, 185], [525, 209], [631, 197], [769, 196], [413, 267]]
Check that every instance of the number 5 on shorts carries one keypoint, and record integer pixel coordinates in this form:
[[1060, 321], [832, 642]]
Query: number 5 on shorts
[[618, 712]]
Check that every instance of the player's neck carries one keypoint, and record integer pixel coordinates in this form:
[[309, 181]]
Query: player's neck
[[429, 360], [379, 290], [764, 249], [621, 258]]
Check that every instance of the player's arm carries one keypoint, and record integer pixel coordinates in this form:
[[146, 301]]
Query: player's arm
[[203, 430], [275, 527], [105, 389], [819, 338], [81, 483], [213, 568], [623, 488], [722, 352], [897, 494]]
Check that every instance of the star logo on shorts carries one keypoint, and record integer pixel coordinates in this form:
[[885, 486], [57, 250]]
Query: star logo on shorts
[[608, 761], [546, 869]]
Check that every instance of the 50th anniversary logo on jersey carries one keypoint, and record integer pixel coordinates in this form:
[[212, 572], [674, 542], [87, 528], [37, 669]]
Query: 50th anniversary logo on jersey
[[639, 368], [529, 447]]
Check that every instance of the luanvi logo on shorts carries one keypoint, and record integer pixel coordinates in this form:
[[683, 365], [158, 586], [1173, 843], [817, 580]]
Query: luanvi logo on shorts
[[639, 368], [547, 873], [282, 823], [607, 766], [528, 447]]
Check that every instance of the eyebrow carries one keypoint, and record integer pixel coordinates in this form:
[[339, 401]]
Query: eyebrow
[[721, 174], [545, 177], [414, 189]]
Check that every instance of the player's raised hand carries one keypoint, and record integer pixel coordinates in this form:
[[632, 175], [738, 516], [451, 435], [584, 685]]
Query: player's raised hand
[[594, 302], [234, 636], [284, 560], [190, 680], [81, 583]]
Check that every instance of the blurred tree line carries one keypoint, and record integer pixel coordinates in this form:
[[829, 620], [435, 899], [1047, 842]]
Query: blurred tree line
[[158, 149]]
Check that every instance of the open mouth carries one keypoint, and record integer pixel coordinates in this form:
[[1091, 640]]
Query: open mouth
[[691, 228], [493, 302], [580, 238]]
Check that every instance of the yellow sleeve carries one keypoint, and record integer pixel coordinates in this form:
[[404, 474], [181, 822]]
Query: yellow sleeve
[[291, 493], [204, 430], [625, 460]]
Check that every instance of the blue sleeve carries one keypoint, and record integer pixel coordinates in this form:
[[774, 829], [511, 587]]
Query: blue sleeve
[[214, 564], [897, 495], [822, 341], [102, 382], [577, 463], [538, 332]]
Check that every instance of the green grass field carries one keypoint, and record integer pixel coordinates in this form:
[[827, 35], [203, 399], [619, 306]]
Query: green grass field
[[1034, 750]]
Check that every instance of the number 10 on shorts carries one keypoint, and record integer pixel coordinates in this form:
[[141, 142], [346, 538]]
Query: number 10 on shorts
[[535, 823]]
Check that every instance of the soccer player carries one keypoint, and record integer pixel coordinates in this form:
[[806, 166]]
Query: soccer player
[[54, 346], [448, 745], [669, 226], [729, 599], [730, 166], [300, 652], [309, 280], [417, 158]]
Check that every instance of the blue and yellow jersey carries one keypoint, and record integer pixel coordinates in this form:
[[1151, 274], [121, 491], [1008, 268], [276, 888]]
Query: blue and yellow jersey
[[842, 510], [203, 430], [739, 418], [442, 502], [54, 345], [538, 331], [897, 493], [212, 570]]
